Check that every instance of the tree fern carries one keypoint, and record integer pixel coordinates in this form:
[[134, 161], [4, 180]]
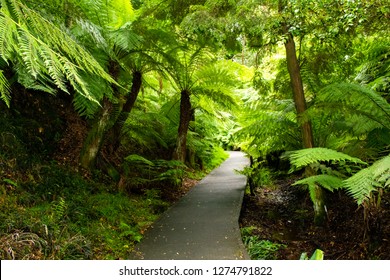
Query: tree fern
[[5, 90], [269, 124], [52, 58], [111, 14], [306, 157], [356, 99], [328, 182], [363, 183]]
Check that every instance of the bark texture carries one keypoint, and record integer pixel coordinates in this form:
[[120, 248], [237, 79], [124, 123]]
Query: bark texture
[[185, 118]]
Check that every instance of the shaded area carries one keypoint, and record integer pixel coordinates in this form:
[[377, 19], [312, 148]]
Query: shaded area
[[204, 223], [283, 214]]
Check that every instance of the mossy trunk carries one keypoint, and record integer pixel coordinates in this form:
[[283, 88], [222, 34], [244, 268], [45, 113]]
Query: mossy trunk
[[103, 122], [185, 117], [94, 140], [126, 110], [294, 71]]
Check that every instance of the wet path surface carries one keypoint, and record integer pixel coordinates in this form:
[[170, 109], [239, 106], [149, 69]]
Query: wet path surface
[[204, 223]]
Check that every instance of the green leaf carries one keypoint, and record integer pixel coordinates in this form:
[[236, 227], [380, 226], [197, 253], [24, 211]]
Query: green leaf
[[363, 183], [305, 157], [328, 182], [137, 159], [5, 89]]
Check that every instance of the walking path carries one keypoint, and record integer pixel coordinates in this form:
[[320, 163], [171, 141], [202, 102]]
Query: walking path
[[204, 223]]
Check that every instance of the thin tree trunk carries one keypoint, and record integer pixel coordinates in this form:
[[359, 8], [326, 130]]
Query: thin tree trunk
[[126, 109], [317, 193], [185, 118]]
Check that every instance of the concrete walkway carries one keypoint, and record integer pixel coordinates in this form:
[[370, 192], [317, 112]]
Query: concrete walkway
[[204, 223]]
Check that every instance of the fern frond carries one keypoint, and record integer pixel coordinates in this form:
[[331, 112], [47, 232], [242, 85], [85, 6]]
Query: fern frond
[[328, 182], [49, 54], [111, 14], [5, 90], [306, 157], [271, 125], [356, 99], [137, 159], [363, 183]]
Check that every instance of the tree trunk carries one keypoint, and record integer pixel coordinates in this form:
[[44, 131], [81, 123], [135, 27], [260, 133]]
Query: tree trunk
[[126, 109], [317, 194], [93, 143], [185, 118], [191, 152], [297, 88]]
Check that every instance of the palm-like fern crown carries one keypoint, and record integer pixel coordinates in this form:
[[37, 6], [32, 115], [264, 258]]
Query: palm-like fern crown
[[51, 58], [197, 72]]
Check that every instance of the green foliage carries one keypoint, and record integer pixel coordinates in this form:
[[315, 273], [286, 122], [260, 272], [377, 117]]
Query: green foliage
[[50, 59], [72, 223], [376, 71], [5, 90], [317, 255], [358, 100], [268, 125], [368, 180], [258, 176], [328, 182], [257, 248], [360, 185], [112, 14], [306, 157], [141, 172]]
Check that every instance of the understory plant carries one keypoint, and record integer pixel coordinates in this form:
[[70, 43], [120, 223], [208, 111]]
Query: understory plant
[[259, 249], [341, 171]]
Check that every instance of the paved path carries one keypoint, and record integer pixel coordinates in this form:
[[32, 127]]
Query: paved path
[[204, 223]]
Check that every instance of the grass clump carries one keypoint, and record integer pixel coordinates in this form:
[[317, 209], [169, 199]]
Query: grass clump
[[257, 248]]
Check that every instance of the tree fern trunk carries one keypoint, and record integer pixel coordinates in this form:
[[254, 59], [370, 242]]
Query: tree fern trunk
[[103, 122], [294, 71], [93, 143], [185, 118], [126, 109]]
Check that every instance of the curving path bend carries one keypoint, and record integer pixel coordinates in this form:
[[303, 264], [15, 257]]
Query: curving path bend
[[204, 223]]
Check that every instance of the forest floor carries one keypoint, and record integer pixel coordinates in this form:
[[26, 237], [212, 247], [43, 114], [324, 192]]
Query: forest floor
[[283, 214]]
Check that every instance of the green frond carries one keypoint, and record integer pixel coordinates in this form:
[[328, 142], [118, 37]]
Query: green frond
[[328, 182], [50, 55], [84, 106], [356, 99], [305, 157], [125, 38], [111, 14], [137, 159], [363, 183], [146, 130], [93, 30], [5, 90], [271, 125]]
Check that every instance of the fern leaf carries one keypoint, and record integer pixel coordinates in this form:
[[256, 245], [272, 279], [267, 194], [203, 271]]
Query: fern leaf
[[306, 157], [51, 58], [356, 99], [137, 159], [328, 182], [5, 89], [362, 184]]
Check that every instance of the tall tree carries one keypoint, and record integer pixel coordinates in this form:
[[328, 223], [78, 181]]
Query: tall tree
[[193, 73]]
